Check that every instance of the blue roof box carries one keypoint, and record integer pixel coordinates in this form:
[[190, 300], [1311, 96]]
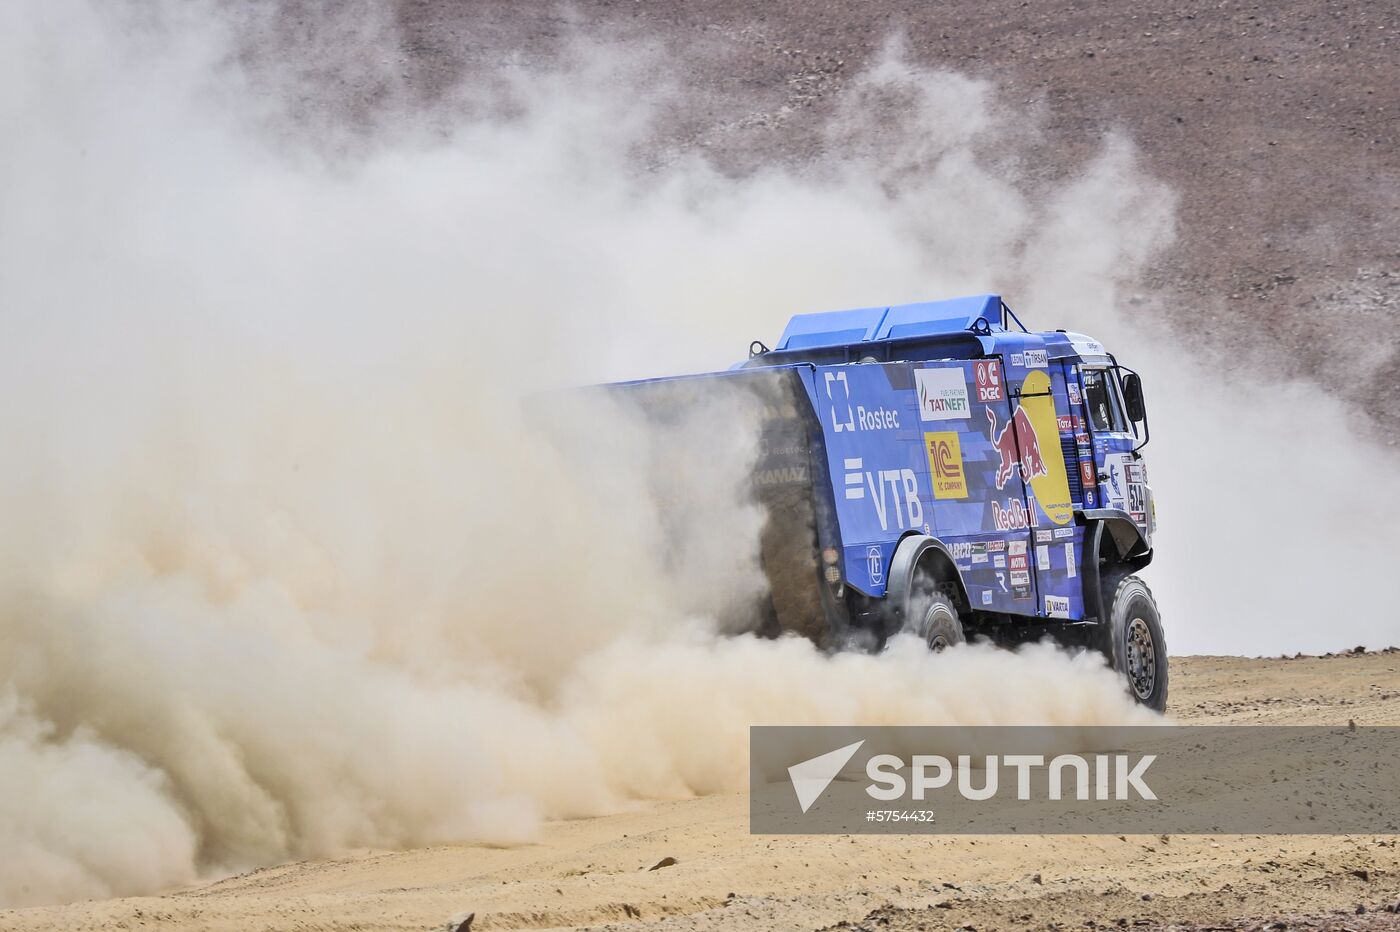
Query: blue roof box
[[863, 325]]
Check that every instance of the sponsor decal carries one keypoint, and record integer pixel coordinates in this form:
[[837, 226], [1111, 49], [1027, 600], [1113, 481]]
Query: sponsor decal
[[877, 418], [996, 546], [945, 464], [1087, 476], [1082, 439], [1016, 548], [975, 552], [782, 475], [839, 423], [1057, 606], [1073, 388], [1017, 359], [999, 561], [893, 492], [1070, 568], [1018, 565], [1042, 536], [1012, 517], [875, 564], [987, 375], [1088, 499], [1062, 532], [1019, 445], [986, 597], [847, 419], [942, 394], [1069, 423], [1113, 470], [1042, 558], [1035, 359]]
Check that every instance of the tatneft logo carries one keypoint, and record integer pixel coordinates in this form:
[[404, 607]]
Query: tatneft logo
[[1076, 777], [942, 394]]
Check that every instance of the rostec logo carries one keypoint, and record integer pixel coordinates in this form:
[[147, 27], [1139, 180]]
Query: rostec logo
[[858, 417], [837, 424], [877, 419], [902, 486], [987, 375], [942, 394], [1018, 449], [946, 464]]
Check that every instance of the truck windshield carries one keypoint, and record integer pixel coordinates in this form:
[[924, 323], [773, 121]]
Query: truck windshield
[[1101, 398]]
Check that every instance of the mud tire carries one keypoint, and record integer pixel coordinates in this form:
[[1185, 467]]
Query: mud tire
[[933, 618], [1132, 642]]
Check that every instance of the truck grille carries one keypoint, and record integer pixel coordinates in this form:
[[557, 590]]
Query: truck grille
[[1076, 485]]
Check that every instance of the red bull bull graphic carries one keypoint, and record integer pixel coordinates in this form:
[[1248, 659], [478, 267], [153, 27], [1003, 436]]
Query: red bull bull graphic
[[1017, 447]]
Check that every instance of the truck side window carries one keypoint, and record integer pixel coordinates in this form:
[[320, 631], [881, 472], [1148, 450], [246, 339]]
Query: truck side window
[[1102, 401]]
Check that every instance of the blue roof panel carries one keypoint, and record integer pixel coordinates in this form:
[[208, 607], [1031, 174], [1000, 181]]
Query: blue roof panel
[[863, 325], [929, 318], [831, 328]]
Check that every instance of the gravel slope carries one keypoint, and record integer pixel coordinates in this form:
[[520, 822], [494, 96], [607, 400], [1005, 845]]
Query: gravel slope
[[1275, 122]]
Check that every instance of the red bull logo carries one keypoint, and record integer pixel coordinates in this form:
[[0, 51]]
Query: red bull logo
[[1018, 448]]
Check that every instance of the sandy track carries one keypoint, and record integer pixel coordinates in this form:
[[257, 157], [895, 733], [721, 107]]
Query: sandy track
[[594, 872]]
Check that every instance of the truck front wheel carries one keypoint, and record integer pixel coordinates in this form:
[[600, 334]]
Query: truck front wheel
[[1133, 644], [934, 618]]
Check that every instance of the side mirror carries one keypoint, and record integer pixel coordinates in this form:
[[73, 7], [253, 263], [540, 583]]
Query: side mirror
[[1132, 397]]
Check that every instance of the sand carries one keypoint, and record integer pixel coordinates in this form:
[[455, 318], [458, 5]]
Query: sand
[[594, 872]]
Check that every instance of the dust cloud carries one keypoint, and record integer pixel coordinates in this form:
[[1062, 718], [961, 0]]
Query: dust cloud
[[296, 555]]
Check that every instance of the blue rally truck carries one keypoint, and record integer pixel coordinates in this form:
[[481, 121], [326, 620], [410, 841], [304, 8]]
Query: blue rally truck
[[936, 468]]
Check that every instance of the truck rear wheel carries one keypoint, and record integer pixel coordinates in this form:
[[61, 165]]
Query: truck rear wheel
[[934, 618], [1132, 641]]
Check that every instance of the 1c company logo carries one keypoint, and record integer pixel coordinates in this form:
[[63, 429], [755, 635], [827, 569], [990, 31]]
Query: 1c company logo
[[945, 464]]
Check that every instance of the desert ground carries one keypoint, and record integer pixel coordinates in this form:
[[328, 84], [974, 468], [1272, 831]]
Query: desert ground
[[598, 873], [1273, 125]]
